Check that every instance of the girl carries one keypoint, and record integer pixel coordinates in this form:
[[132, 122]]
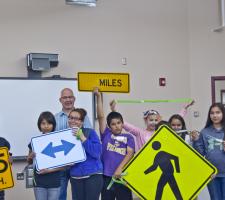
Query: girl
[[117, 150], [211, 145], [177, 123], [86, 177], [46, 181], [151, 119]]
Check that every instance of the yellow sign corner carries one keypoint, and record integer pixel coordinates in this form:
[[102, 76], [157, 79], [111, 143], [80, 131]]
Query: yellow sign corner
[[106, 82]]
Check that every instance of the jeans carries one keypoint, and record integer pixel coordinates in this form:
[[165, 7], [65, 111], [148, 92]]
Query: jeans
[[87, 188], [216, 188], [46, 193], [64, 179]]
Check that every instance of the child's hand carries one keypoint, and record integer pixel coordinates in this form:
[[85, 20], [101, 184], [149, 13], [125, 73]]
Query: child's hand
[[10, 159], [190, 104], [75, 130], [79, 134], [194, 135], [31, 155], [43, 171], [224, 145], [213, 176], [117, 173], [96, 91], [113, 105]]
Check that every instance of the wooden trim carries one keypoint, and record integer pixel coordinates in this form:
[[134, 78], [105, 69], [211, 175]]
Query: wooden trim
[[213, 79], [222, 92]]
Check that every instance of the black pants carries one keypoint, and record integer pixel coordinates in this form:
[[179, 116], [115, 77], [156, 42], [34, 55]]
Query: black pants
[[2, 194], [87, 188], [117, 191]]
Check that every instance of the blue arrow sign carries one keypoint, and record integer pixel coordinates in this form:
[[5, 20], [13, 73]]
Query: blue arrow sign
[[66, 146]]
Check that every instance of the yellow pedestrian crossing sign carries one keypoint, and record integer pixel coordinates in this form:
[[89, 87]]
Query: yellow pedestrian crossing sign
[[167, 168], [6, 178]]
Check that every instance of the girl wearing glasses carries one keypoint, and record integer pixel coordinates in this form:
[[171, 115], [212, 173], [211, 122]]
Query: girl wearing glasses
[[86, 177]]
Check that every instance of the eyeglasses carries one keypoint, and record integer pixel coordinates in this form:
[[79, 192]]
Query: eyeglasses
[[150, 112], [67, 97], [74, 118]]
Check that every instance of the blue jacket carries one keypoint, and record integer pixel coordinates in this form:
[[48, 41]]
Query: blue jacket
[[211, 147], [93, 149]]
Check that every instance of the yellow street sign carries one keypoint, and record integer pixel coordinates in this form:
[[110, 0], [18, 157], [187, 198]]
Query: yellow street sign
[[106, 82], [167, 168], [6, 177]]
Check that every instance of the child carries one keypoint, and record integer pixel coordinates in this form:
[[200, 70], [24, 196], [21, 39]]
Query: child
[[151, 119], [47, 181], [4, 143], [162, 122], [211, 145], [117, 150], [86, 177], [177, 123]]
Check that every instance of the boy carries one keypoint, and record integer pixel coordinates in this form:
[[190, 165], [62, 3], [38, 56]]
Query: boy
[[117, 150]]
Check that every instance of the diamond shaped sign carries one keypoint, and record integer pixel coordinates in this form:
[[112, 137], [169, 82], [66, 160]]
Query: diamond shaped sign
[[168, 168]]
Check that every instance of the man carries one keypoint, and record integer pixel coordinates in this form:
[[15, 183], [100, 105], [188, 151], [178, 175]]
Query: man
[[67, 99]]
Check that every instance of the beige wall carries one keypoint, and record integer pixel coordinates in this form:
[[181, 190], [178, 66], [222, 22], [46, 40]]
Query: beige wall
[[206, 53], [171, 39]]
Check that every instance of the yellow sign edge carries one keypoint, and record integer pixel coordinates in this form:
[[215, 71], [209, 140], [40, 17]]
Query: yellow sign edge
[[7, 150], [178, 137]]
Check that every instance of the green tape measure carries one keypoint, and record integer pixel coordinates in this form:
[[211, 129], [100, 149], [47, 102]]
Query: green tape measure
[[184, 100]]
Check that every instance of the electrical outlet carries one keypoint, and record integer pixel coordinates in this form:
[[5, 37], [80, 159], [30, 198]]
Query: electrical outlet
[[20, 176], [124, 61], [196, 114]]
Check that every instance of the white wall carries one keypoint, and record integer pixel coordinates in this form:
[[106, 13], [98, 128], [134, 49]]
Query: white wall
[[206, 53], [159, 38]]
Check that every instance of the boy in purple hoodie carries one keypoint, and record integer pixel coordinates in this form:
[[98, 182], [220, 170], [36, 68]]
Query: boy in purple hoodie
[[117, 150]]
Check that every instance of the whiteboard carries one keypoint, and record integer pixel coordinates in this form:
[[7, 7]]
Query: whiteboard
[[22, 101]]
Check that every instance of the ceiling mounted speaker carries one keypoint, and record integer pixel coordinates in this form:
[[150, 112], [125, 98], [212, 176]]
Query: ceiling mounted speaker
[[91, 3]]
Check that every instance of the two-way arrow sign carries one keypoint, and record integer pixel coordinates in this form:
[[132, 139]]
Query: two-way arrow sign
[[49, 150], [57, 149]]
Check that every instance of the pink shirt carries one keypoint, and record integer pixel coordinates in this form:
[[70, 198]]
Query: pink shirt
[[142, 135], [183, 112]]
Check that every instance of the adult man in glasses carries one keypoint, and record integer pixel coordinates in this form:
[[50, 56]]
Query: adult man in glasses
[[67, 99]]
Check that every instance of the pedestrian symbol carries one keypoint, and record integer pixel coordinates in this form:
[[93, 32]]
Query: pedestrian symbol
[[168, 168], [163, 160]]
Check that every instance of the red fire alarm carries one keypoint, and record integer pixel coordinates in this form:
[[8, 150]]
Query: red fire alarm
[[162, 81]]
